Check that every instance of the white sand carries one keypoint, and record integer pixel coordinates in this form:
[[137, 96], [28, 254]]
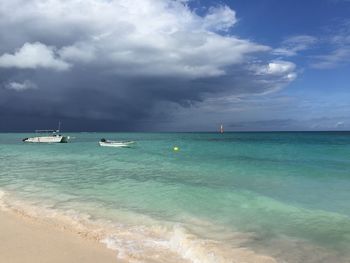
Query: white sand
[[25, 240]]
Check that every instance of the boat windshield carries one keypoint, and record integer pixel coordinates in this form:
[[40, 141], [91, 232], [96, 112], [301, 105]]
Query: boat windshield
[[47, 131]]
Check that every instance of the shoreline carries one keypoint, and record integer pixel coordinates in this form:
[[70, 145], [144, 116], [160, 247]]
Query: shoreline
[[24, 239], [28, 237], [34, 234]]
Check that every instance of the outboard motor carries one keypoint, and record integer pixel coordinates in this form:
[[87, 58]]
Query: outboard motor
[[25, 139], [103, 140]]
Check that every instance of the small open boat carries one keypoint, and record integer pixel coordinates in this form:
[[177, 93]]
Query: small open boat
[[108, 143]]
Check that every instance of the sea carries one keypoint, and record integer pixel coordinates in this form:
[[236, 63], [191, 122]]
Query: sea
[[220, 198]]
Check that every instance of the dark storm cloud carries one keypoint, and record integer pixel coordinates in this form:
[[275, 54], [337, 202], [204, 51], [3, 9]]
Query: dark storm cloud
[[267, 125], [123, 62], [309, 124]]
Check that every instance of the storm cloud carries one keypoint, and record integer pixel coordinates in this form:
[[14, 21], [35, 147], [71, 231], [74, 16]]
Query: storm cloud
[[125, 62]]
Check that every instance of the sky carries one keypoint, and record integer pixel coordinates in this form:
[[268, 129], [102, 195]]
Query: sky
[[175, 65]]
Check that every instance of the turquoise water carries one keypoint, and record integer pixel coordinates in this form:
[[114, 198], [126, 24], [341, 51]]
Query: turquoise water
[[220, 198]]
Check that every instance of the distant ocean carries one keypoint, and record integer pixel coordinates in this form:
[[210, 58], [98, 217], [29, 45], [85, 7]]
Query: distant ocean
[[233, 197]]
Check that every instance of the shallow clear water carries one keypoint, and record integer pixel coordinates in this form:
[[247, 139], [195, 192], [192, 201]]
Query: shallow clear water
[[284, 195]]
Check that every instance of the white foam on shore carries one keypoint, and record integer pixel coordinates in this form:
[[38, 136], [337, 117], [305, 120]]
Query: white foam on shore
[[141, 243], [3, 205]]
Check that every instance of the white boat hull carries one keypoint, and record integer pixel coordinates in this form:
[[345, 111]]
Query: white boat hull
[[115, 144], [47, 139]]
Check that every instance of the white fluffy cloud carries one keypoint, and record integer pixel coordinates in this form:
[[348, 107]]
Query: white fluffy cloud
[[280, 67], [32, 56], [220, 18], [277, 68], [149, 37], [21, 86]]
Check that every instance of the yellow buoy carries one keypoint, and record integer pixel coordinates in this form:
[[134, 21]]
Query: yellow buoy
[[176, 148]]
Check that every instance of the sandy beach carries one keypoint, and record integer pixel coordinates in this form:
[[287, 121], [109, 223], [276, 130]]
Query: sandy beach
[[27, 240]]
